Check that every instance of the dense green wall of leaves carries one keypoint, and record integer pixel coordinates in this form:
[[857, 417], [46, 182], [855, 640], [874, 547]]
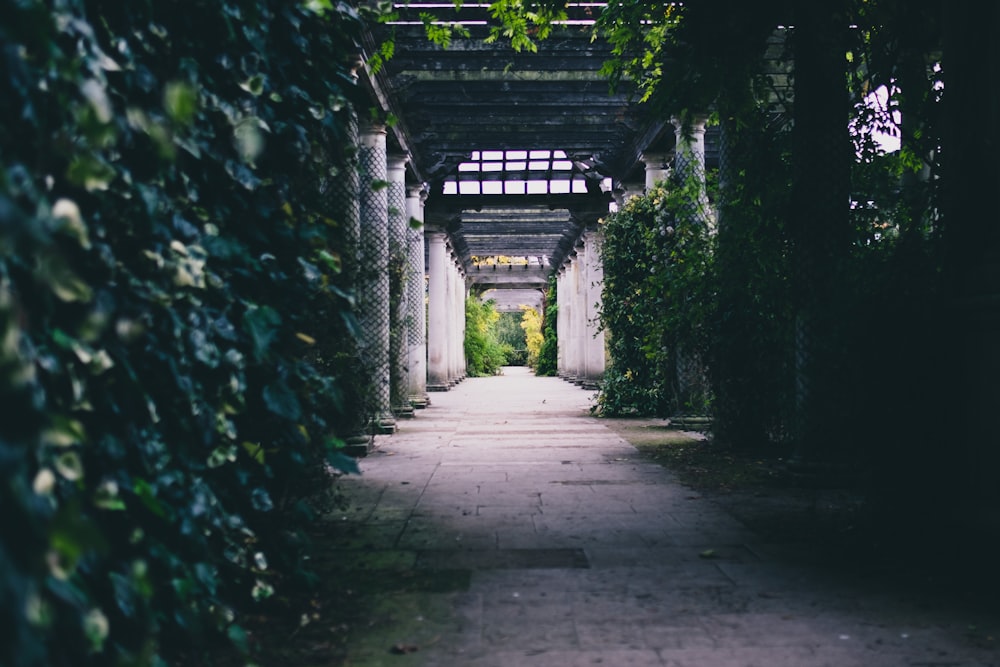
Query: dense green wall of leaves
[[658, 297], [484, 354], [548, 354], [169, 265]]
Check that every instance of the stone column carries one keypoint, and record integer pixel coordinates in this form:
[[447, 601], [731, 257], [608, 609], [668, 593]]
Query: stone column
[[689, 164], [452, 326], [594, 341], [438, 310], [458, 365], [416, 331], [689, 154], [575, 317], [345, 193], [657, 168], [373, 282], [461, 294], [399, 384], [689, 159], [561, 314]]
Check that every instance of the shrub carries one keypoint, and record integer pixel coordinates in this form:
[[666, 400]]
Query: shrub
[[484, 354]]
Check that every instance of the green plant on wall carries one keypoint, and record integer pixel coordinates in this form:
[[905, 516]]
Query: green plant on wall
[[169, 267], [657, 296], [512, 338], [484, 353], [548, 353]]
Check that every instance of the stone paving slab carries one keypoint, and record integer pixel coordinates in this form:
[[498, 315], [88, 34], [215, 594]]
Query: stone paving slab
[[542, 539]]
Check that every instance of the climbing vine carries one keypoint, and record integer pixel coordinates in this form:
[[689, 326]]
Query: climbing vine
[[548, 352], [169, 265], [658, 297], [484, 355]]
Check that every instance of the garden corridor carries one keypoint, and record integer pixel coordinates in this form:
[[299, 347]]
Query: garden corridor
[[506, 526]]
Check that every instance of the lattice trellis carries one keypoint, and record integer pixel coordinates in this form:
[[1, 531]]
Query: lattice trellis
[[398, 264], [345, 195], [415, 286], [373, 275]]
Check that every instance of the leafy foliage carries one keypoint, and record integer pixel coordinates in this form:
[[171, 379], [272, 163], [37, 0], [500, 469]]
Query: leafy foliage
[[657, 297], [531, 323], [484, 354], [168, 270], [548, 353], [512, 339]]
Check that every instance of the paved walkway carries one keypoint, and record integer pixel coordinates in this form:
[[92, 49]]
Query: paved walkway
[[504, 526]]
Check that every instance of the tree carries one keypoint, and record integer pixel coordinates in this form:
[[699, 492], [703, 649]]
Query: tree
[[483, 352], [531, 323]]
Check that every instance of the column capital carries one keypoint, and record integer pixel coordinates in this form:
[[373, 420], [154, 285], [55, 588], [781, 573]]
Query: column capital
[[655, 159], [395, 164], [417, 190], [694, 122], [372, 134], [355, 62]]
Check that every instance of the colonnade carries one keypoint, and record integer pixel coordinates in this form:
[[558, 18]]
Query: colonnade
[[581, 353], [412, 287], [446, 294], [402, 304]]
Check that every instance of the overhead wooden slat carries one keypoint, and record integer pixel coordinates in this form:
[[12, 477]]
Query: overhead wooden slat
[[480, 96]]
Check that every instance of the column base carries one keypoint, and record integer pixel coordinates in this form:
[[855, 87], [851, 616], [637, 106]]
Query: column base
[[384, 425], [403, 411], [420, 402], [690, 422], [438, 387], [358, 446]]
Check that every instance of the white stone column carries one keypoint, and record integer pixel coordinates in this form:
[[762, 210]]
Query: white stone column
[[594, 342], [462, 294], [398, 262], [561, 314], [577, 315], [438, 311], [657, 168], [458, 323], [689, 159], [689, 151], [453, 326], [416, 308], [373, 279], [569, 360]]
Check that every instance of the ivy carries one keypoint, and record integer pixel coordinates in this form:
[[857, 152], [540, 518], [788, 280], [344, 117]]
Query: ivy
[[484, 354], [658, 297], [164, 187], [548, 353]]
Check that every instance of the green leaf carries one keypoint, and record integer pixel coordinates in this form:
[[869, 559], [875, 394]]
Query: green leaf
[[52, 269], [238, 636], [91, 173], [180, 101], [262, 324], [281, 400], [147, 496], [343, 463]]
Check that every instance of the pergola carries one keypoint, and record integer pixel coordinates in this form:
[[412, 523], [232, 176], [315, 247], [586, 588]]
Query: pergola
[[520, 151]]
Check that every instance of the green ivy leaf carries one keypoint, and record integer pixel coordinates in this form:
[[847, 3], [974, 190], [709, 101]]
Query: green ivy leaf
[[262, 324], [180, 101], [91, 173], [281, 400]]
